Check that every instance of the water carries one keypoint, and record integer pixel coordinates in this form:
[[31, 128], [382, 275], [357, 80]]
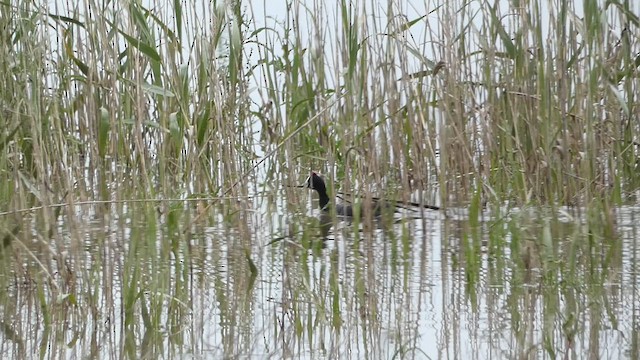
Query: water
[[413, 288]]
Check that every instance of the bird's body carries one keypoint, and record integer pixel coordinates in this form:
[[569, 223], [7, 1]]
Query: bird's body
[[316, 183]]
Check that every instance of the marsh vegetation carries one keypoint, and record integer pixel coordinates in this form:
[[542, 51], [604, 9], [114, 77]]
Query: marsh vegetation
[[149, 152]]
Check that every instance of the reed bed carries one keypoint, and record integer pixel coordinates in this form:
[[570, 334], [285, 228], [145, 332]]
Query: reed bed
[[147, 151]]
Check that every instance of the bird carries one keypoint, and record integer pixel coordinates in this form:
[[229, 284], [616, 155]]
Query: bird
[[315, 182]]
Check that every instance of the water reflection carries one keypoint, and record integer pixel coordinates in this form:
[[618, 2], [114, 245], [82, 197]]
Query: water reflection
[[435, 287]]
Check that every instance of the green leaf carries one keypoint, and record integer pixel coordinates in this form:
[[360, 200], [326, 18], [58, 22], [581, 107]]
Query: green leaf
[[621, 99], [145, 48], [66, 19], [103, 131], [157, 90], [506, 39], [177, 9]]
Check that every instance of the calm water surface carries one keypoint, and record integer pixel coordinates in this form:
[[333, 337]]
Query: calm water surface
[[433, 287]]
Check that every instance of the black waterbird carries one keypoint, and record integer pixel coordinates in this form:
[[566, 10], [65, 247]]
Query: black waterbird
[[316, 183]]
